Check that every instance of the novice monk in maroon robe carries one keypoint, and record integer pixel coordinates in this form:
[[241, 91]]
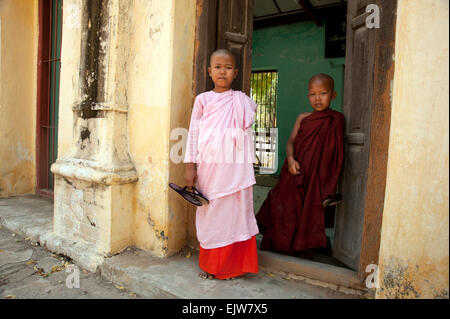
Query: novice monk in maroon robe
[[292, 218]]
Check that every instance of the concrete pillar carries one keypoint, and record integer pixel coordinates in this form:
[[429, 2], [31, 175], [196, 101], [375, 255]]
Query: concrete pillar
[[94, 182]]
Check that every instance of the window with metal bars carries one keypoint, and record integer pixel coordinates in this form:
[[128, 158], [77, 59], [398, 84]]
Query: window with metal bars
[[263, 91], [50, 20]]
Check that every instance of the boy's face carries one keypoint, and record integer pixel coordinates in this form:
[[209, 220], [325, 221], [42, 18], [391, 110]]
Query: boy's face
[[222, 71], [320, 95]]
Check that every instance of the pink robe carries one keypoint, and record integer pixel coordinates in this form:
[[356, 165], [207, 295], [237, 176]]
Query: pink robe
[[220, 142]]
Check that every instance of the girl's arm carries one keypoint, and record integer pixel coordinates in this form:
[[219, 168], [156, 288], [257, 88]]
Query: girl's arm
[[294, 166], [190, 158], [190, 175]]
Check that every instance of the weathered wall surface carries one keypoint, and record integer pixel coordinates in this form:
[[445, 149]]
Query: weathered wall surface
[[181, 221], [414, 252], [18, 69], [157, 78], [70, 69], [148, 124], [159, 97]]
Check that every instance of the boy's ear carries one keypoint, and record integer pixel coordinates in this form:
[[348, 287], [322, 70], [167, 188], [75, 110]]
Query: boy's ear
[[333, 96], [236, 71], [209, 71]]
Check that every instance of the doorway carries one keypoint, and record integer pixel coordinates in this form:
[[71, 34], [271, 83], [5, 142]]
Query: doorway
[[49, 65], [367, 76], [298, 48]]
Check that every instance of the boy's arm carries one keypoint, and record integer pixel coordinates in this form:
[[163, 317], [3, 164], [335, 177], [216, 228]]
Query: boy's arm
[[290, 143]]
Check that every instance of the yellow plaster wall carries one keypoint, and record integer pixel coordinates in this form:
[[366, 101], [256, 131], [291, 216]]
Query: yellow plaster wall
[[18, 80], [159, 95], [414, 252], [69, 78]]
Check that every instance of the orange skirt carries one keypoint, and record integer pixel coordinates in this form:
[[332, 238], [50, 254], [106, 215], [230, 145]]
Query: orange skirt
[[230, 261]]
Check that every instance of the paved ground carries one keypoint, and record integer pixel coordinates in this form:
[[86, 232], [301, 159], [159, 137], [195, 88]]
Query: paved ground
[[30, 271]]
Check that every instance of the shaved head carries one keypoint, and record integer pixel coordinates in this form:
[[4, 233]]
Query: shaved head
[[223, 52], [324, 78]]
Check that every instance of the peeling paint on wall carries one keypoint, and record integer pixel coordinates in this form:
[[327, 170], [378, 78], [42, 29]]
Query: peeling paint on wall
[[397, 280], [406, 280]]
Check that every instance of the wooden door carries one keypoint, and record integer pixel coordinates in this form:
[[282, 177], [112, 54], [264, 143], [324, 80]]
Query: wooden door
[[368, 75], [205, 44], [223, 24], [234, 32]]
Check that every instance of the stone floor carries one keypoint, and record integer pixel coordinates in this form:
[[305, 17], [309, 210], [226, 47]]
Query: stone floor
[[26, 269], [29, 271]]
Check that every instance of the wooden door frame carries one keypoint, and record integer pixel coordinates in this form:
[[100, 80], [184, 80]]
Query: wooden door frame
[[379, 136], [43, 89], [379, 140], [205, 44], [43, 95]]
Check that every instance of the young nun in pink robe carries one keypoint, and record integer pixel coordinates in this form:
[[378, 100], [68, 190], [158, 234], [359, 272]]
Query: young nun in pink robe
[[220, 144]]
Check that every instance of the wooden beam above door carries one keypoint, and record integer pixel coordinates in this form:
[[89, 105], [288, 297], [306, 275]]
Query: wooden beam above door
[[295, 16], [310, 11]]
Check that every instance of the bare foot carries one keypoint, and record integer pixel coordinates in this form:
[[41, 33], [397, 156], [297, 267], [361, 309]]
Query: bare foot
[[205, 275]]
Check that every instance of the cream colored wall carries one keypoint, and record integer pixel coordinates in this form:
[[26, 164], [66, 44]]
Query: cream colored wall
[[414, 252], [149, 101], [69, 78], [19, 42], [181, 214], [159, 97]]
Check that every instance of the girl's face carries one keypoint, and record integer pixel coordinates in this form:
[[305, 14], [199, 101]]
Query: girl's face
[[222, 71], [320, 95]]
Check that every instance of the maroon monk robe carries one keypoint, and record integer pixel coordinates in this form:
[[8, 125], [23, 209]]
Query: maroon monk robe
[[292, 218]]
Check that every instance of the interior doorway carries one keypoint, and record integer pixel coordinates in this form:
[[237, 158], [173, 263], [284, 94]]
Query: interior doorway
[[297, 45], [365, 73], [49, 65]]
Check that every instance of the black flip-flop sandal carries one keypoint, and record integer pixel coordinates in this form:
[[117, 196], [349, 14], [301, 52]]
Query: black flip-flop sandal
[[187, 195], [200, 196], [332, 200]]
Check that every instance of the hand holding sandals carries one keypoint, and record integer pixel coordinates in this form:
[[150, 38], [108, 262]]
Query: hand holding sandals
[[189, 192], [190, 175]]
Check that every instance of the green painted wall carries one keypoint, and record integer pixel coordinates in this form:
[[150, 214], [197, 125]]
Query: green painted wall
[[297, 52]]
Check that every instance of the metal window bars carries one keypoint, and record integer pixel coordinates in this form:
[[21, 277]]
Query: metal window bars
[[53, 63], [263, 91]]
